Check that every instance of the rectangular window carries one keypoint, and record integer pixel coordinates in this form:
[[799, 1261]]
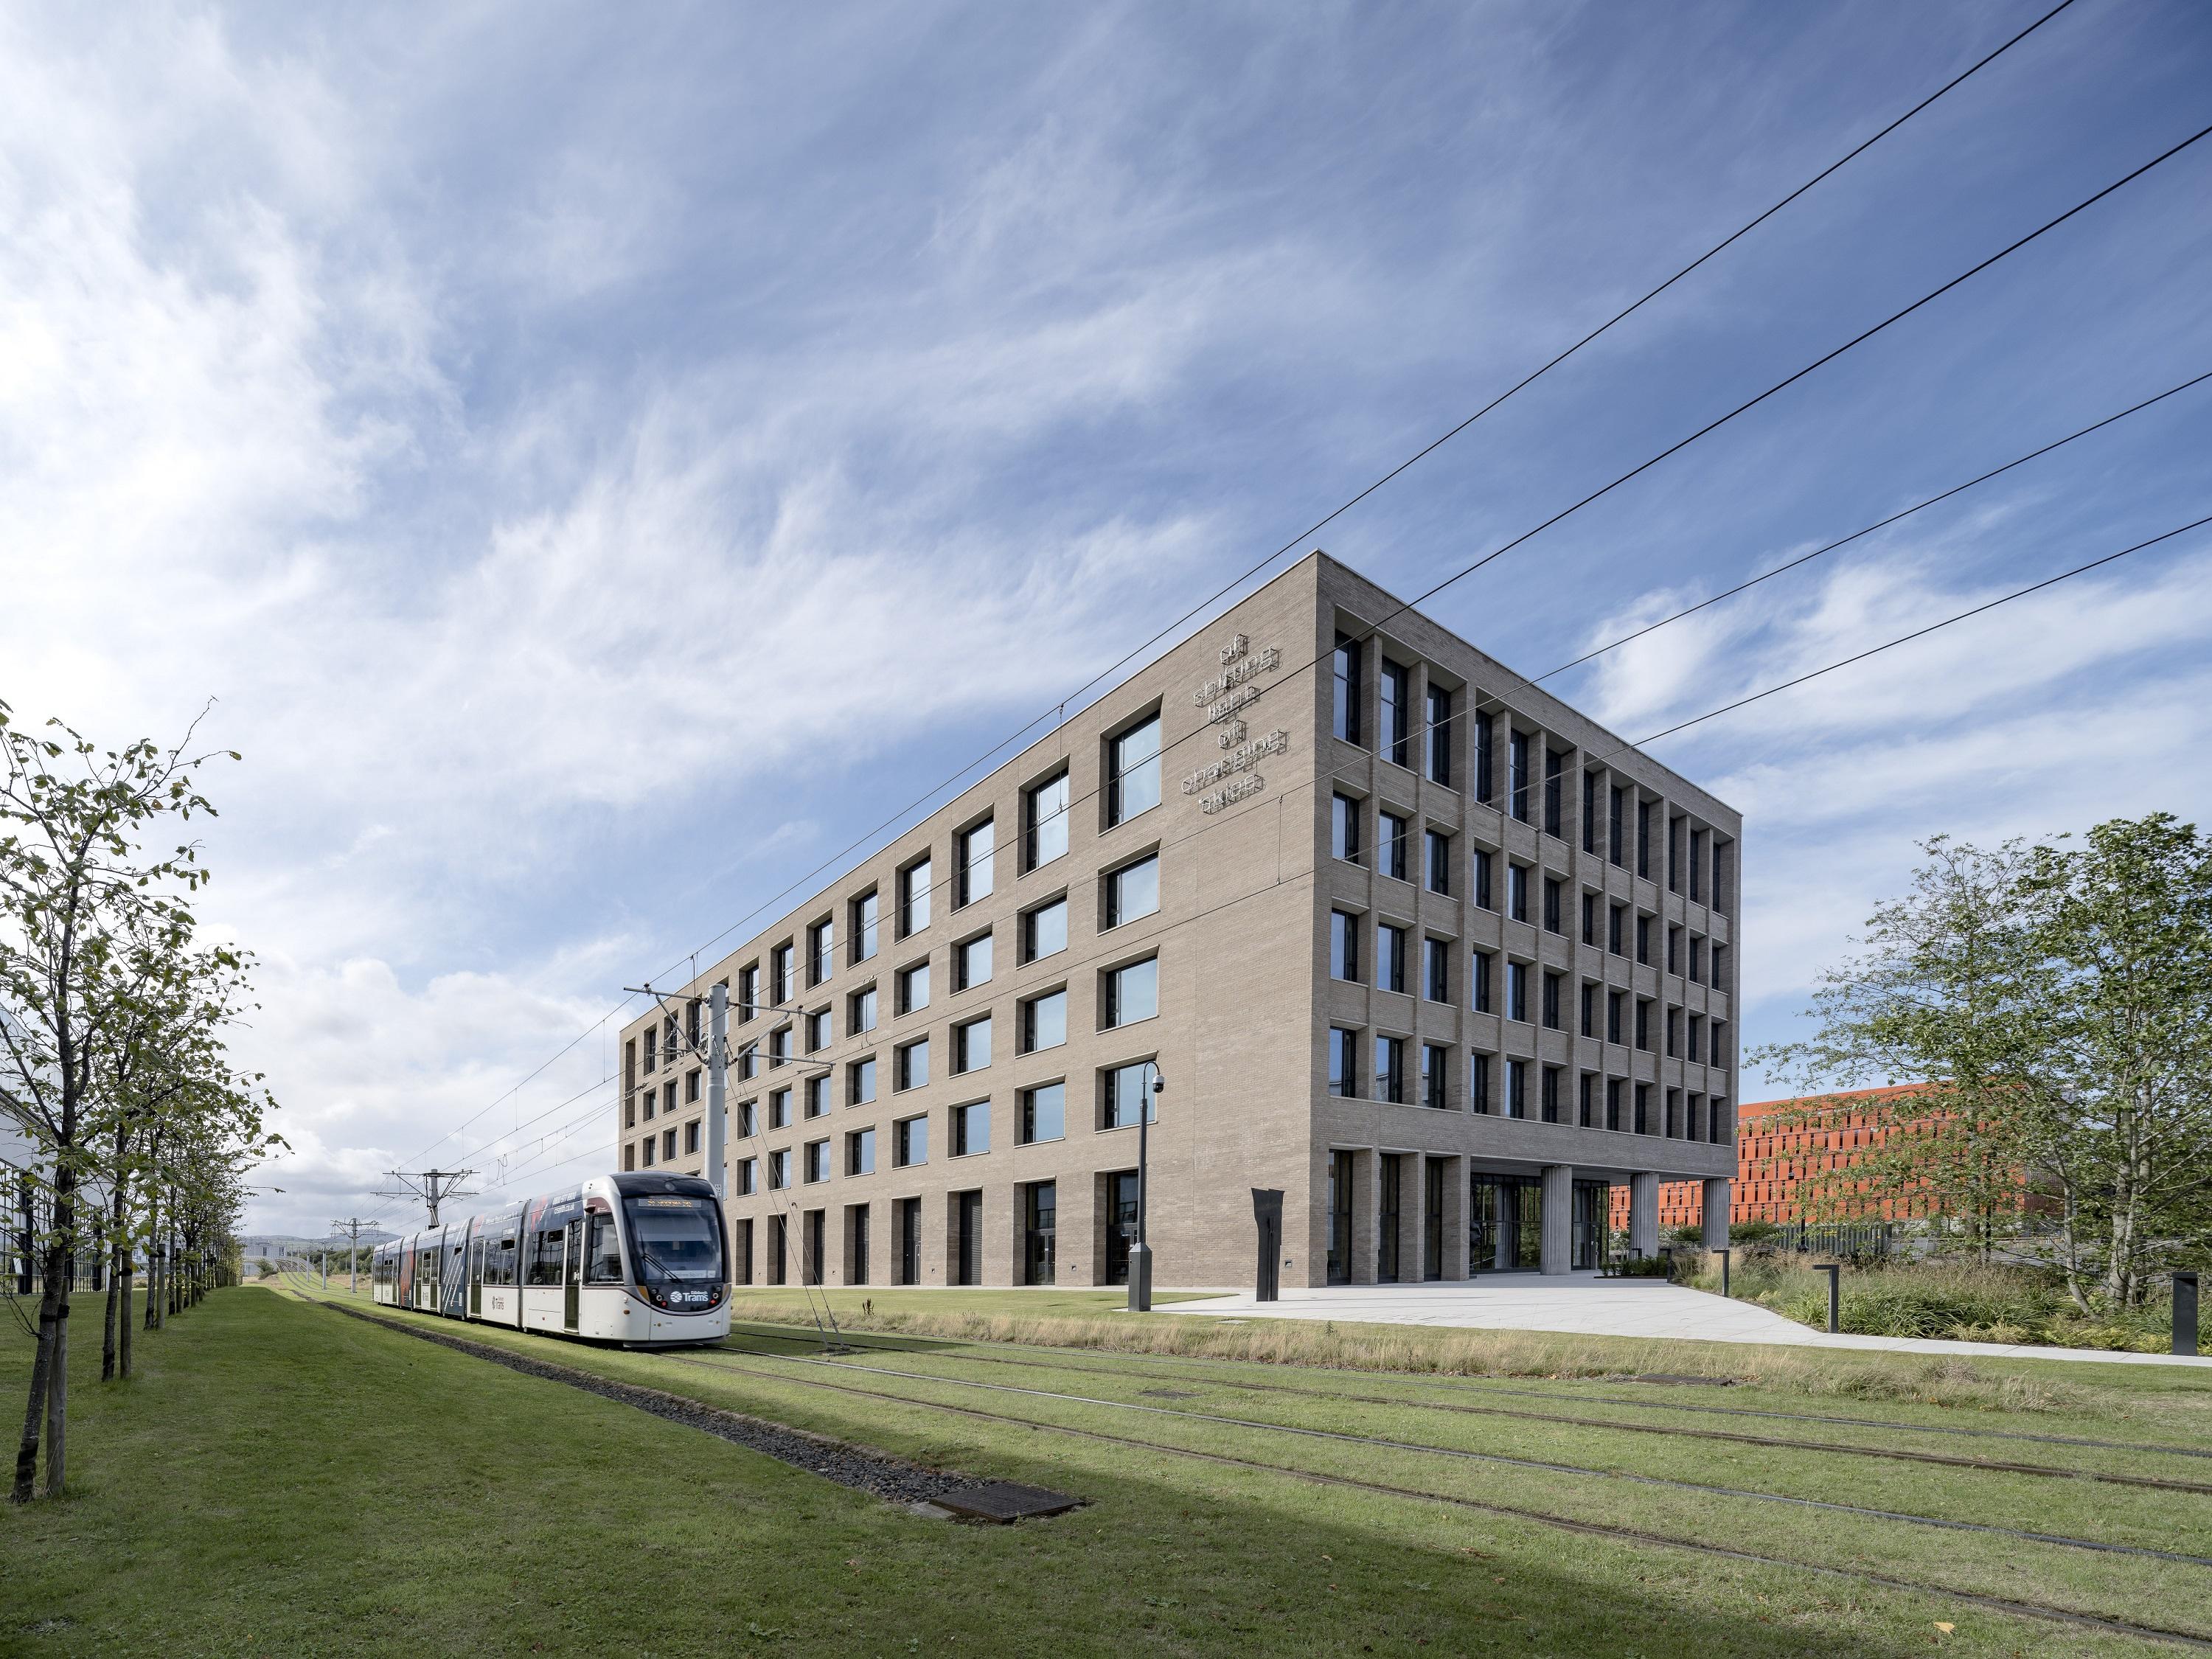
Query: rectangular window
[[1696, 1036], [1616, 930], [1133, 772], [1644, 1109], [860, 1082], [1438, 744], [1517, 891], [816, 1096], [1516, 990], [1674, 855], [1671, 1126], [1343, 1063], [782, 975], [863, 925], [1044, 1022], [691, 1136], [1044, 930], [1586, 1101], [1044, 1113], [1516, 773], [1720, 1043], [1345, 716], [1436, 1079], [1615, 1005], [1132, 890], [1482, 898], [1484, 729], [860, 1011], [1125, 1091], [1555, 773], [971, 962], [629, 1157], [1593, 786], [1554, 904], [748, 1176], [1132, 993], [1478, 1083], [1614, 1088], [1674, 1033], [1551, 1101], [748, 1126], [1479, 978], [1044, 823], [691, 1087], [1589, 918], [779, 1168], [652, 1047], [971, 1128], [910, 1065], [1643, 839], [1344, 946], [748, 993], [1553, 982], [909, 1142], [1697, 865], [1643, 940], [1344, 829], [1721, 851], [1435, 970], [1437, 861], [913, 988], [1390, 1069], [972, 854], [1391, 833], [1674, 949], [817, 1031], [1389, 957], [914, 891], [860, 1152], [1516, 1088], [1720, 968], [779, 1108], [1589, 1008], [1697, 957], [821, 951], [1644, 1022], [971, 1045], [1393, 691]]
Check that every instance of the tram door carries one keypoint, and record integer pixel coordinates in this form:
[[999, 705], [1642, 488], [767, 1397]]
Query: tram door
[[476, 1279], [572, 1275]]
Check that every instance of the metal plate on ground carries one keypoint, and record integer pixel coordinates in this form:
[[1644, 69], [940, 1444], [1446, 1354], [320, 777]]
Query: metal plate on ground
[[1701, 1382], [1004, 1500], [1168, 1394]]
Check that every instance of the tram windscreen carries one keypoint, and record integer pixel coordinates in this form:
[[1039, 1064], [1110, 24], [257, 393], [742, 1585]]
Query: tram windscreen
[[675, 1244]]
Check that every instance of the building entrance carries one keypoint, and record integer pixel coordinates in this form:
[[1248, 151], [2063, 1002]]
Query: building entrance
[[1505, 1224]]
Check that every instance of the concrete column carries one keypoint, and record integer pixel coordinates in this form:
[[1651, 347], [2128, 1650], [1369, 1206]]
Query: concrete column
[[1412, 1198], [1456, 1178], [1643, 1213], [1718, 1193], [1559, 1217], [1366, 1214]]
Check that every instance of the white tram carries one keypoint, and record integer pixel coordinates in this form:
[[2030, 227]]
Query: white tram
[[633, 1258]]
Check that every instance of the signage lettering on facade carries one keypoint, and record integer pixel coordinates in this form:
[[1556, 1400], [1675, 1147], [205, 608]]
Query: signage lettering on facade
[[1224, 697]]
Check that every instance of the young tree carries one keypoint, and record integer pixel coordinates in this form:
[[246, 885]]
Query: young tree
[[77, 888], [2118, 1026], [2056, 1003], [1929, 998]]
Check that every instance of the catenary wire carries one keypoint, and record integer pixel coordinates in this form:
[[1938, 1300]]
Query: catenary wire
[[1327, 519]]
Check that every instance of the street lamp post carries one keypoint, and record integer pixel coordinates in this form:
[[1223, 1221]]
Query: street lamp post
[[1140, 1253]]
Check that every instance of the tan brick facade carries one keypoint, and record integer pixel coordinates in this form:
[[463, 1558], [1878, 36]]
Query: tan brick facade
[[1247, 884]]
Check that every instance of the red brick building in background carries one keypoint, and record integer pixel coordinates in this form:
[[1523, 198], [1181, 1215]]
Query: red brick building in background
[[1777, 1145]]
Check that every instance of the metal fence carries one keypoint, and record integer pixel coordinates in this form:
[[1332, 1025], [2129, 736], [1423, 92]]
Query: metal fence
[[1857, 1241]]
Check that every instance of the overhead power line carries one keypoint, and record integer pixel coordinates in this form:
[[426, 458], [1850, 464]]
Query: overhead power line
[[1343, 507]]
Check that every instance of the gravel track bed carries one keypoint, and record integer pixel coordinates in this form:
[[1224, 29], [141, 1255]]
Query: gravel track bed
[[891, 1479]]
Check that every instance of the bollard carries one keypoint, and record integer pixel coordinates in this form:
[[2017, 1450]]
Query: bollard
[[1725, 1252], [2184, 1313], [1835, 1272]]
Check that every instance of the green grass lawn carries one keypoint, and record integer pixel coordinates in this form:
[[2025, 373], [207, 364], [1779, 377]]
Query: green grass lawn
[[281, 1480]]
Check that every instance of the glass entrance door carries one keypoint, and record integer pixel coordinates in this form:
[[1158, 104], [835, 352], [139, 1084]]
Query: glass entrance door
[[1586, 1247], [572, 1274], [1340, 1218], [1041, 1207], [970, 1239], [1505, 1223], [1120, 1224], [1387, 1264]]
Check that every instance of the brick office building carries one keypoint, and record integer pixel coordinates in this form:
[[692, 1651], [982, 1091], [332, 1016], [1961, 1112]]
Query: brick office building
[[1406, 939], [1780, 1143]]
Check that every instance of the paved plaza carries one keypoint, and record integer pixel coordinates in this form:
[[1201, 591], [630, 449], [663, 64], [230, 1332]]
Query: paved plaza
[[1586, 1304]]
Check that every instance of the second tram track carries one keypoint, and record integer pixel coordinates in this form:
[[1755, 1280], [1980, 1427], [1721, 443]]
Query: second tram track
[[1890, 1453], [1471, 1385]]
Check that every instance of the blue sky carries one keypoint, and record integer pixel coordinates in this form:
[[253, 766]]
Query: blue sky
[[601, 461]]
